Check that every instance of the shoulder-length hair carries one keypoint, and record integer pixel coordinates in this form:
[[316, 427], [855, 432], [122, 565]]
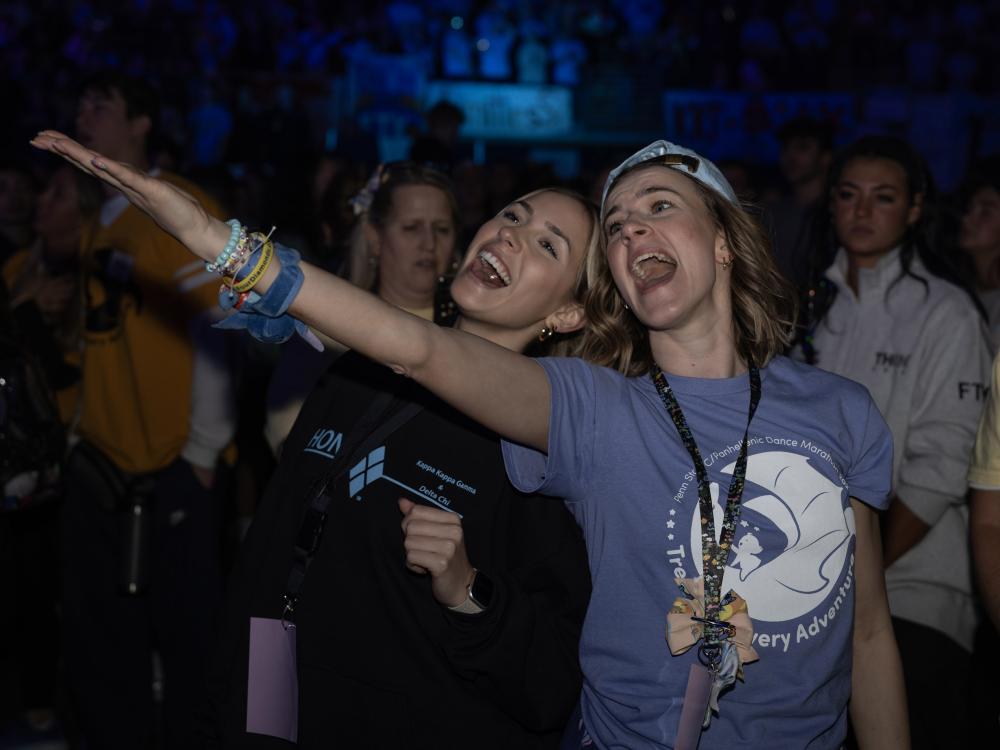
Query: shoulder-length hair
[[763, 302]]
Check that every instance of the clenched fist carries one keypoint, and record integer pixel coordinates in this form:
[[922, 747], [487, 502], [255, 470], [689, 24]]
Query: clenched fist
[[435, 544]]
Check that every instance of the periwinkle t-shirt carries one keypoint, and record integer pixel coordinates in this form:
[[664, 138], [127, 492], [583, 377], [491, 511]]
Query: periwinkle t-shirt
[[615, 455]]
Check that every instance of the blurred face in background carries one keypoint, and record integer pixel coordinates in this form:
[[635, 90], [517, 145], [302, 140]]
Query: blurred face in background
[[803, 159], [58, 218], [872, 208], [414, 246], [103, 124], [980, 231]]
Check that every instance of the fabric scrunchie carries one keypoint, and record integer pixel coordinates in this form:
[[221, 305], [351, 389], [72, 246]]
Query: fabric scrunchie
[[265, 316]]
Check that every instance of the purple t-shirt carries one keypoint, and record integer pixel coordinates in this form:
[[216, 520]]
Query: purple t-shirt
[[615, 455]]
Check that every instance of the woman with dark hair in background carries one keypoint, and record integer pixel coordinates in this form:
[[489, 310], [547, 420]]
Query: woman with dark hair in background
[[891, 314]]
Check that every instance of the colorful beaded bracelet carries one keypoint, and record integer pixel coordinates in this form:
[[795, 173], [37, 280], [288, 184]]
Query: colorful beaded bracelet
[[235, 234]]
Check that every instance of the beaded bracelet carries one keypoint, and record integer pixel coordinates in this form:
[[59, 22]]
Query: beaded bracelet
[[244, 250], [266, 316], [236, 231]]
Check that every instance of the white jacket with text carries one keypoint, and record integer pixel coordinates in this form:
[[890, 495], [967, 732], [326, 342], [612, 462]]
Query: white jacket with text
[[921, 348]]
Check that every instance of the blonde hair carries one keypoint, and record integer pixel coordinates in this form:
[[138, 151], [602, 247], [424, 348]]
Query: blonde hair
[[764, 303], [361, 270], [568, 345]]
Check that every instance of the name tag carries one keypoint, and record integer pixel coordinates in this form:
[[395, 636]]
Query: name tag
[[272, 682]]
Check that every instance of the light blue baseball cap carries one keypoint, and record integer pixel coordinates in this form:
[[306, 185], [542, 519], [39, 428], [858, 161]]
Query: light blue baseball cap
[[676, 157]]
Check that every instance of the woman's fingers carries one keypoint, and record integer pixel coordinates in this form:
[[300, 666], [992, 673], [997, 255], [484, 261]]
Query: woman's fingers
[[444, 549], [176, 211], [87, 161], [116, 174]]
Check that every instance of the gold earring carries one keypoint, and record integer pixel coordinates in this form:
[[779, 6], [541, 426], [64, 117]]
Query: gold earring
[[727, 263], [546, 333]]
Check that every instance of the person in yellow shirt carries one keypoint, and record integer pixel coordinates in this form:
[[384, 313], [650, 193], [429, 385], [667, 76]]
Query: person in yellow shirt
[[140, 543]]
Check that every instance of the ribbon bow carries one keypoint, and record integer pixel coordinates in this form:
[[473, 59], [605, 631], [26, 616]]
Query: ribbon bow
[[683, 630], [266, 317], [361, 202]]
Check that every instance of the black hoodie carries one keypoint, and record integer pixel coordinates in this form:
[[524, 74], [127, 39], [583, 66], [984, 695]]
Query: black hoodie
[[380, 663]]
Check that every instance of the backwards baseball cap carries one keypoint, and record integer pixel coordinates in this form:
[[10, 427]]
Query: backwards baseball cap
[[676, 157]]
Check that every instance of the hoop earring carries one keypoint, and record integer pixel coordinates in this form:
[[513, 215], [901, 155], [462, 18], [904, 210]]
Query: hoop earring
[[727, 263], [546, 333]]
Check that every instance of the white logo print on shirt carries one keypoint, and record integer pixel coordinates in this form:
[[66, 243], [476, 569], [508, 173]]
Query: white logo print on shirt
[[807, 509]]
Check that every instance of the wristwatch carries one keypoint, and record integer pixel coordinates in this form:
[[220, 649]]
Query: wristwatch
[[478, 596]]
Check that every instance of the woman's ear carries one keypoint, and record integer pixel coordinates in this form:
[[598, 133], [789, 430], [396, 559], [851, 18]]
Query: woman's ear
[[722, 252], [568, 318]]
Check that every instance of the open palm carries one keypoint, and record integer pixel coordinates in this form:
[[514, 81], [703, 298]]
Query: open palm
[[170, 207]]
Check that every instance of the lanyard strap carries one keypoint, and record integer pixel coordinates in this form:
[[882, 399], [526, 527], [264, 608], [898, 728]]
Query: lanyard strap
[[714, 553]]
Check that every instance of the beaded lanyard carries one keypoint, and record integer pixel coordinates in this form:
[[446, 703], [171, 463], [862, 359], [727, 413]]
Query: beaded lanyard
[[714, 554]]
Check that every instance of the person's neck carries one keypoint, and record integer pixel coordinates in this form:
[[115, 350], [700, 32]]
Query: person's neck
[[404, 299], [858, 261], [515, 341], [698, 352], [808, 192]]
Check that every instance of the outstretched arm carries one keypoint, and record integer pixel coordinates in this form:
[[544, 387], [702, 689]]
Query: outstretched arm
[[504, 391]]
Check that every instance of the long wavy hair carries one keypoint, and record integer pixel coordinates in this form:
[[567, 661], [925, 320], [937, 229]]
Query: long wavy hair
[[922, 239], [763, 302]]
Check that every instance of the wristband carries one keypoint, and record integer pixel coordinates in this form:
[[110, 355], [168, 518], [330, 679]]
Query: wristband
[[264, 316], [263, 262]]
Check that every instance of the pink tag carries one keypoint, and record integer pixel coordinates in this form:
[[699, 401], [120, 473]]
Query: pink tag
[[695, 705], [272, 683]]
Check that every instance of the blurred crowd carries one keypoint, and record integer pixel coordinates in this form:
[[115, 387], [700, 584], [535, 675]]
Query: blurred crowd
[[774, 44]]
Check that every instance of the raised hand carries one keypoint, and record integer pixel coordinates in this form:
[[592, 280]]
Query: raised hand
[[173, 209], [435, 544]]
